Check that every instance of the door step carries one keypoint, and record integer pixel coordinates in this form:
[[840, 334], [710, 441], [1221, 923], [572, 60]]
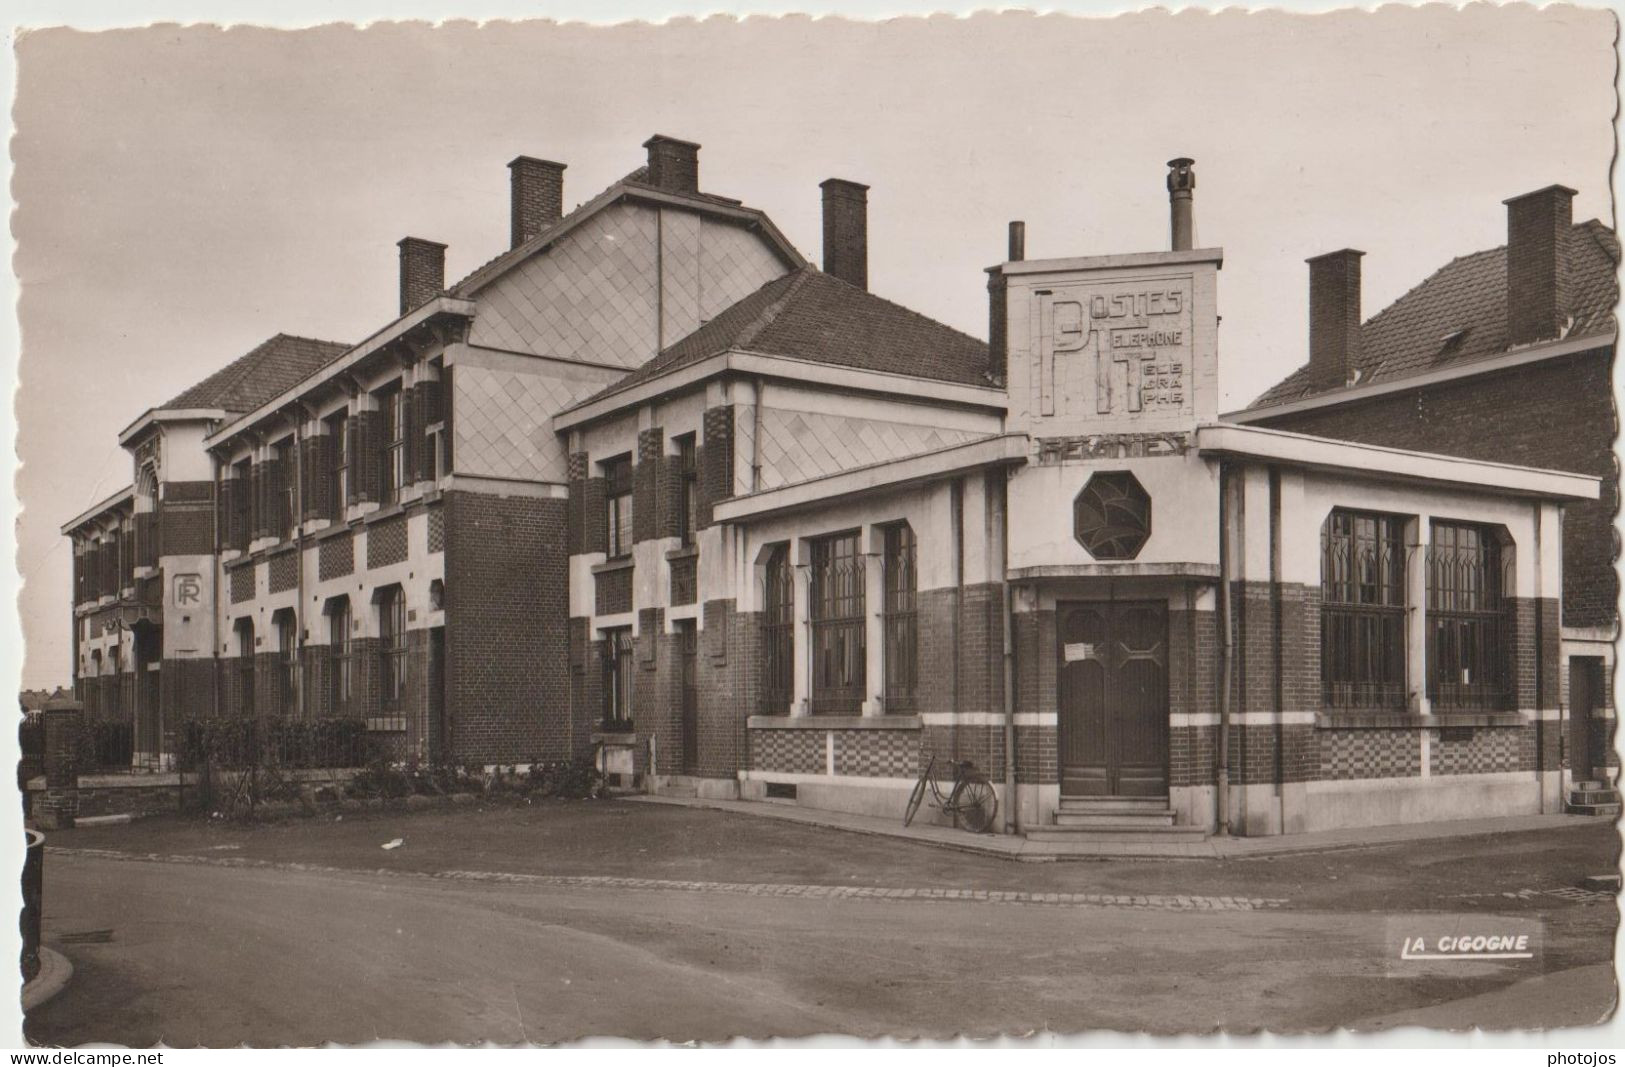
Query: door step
[[1104, 804], [1103, 835], [1147, 820], [1593, 798]]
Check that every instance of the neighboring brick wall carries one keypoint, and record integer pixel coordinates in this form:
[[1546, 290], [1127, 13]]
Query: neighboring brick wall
[[729, 682], [186, 519], [507, 643], [1557, 414]]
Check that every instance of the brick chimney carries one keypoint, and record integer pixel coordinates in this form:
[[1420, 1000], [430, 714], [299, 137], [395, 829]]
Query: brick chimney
[[1181, 188], [997, 315], [538, 196], [673, 165], [1538, 225], [423, 271], [1334, 317], [846, 231]]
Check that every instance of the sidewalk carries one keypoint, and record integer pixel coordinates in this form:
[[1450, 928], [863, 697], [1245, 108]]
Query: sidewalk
[[1021, 849]]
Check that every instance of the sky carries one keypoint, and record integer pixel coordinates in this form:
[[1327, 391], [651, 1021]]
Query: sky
[[181, 194]]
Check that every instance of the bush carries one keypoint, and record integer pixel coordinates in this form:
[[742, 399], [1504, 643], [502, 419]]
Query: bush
[[106, 745]]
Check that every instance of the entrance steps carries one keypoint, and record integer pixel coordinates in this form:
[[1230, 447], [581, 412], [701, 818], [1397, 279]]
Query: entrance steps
[[1115, 820], [1593, 798]]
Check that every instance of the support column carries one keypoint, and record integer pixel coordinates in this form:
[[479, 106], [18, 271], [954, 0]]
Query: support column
[[63, 721]]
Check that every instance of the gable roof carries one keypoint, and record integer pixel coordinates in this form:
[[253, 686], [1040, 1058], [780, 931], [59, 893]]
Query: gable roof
[[809, 315], [270, 370], [1468, 295]]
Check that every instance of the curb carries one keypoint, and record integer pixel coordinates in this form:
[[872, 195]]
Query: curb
[[54, 972], [1213, 848], [104, 820]]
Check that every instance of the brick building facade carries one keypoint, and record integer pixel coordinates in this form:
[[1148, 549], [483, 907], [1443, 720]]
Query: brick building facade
[[650, 489], [1504, 355]]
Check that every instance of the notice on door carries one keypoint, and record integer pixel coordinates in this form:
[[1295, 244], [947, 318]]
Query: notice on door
[[1072, 651]]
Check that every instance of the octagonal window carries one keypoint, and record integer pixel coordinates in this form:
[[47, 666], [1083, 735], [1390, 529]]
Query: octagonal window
[[1111, 516]]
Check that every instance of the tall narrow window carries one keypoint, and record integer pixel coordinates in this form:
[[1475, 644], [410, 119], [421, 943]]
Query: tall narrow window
[[338, 472], [391, 648], [245, 666], [392, 420], [1362, 630], [898, 617], [338, 654], [287, 661], [618, 505], [778, 632], [688, 490], [618, 680], [1466, 625], [287, 497], [242, 505], [838, 662]]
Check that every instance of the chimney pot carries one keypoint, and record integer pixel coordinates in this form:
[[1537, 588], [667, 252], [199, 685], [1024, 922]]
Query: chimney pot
[[1018, 241], [537, 197], [846, 231], [423, 271], [1538, 298], [1181, 186], [674, 165], [1334, 317]]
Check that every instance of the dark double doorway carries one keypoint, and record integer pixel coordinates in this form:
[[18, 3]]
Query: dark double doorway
[[1113, 699], [1588, 735]]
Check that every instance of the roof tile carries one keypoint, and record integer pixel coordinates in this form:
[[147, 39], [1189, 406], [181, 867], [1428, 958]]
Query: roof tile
[[1468, 295]]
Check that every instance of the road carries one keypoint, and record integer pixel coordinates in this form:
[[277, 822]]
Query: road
[[198, 953]]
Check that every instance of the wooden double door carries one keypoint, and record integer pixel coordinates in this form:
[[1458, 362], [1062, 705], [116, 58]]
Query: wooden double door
[[1113, 699]]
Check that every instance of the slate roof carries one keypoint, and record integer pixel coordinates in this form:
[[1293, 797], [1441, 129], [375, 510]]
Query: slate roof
[[637, 179], [262, 375], [1408, 337], [807, 314]]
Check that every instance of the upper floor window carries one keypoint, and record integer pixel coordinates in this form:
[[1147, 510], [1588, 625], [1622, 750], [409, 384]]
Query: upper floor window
[[1362, 629], [392, 427], [899, 621], [688, 488], [338, 470], [286, 489], [242, 504], [618, 505], [838, 645], [1466, 617]]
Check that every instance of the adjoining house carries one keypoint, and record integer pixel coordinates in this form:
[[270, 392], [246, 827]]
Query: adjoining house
[[649, 487], [1506, 355]]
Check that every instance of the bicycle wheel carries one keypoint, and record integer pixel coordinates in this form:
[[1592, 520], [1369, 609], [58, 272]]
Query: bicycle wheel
[[976, 806], [916, 797]]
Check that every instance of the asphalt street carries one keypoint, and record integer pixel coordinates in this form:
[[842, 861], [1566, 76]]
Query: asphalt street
[[200, 953]]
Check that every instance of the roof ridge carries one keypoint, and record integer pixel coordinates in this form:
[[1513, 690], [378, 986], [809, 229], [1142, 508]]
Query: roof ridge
[[798, 279]]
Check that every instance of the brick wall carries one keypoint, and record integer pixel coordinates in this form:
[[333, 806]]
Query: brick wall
[[335, 556], [386, 542], [646, 485], [507, 643], [1557, 414], [186, 518], [715, 457]]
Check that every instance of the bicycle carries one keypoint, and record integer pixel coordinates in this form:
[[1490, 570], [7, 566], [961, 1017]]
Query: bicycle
[[971, 802]]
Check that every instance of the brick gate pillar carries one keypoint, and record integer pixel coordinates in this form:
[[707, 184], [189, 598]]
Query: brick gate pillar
[[63, 720]]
